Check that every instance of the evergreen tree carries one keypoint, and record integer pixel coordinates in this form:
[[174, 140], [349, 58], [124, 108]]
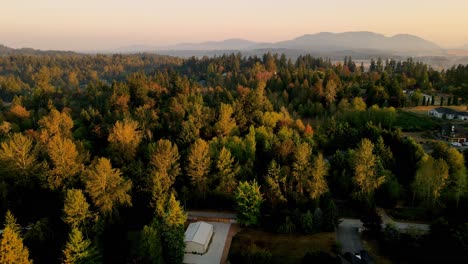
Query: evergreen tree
[[76, 208], [173, 232], [12, 250], [79, 250], [275, 185]]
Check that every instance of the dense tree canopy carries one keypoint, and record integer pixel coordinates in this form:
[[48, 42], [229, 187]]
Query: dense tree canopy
[[100, 150]]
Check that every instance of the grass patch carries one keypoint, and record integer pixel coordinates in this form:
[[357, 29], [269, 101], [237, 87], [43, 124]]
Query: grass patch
[[284, 248], [372, 246], [409, 121]]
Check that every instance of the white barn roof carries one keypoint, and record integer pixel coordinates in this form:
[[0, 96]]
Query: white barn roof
[[199, 232]]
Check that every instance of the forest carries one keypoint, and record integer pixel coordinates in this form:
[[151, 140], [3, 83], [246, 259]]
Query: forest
[[102, 155]]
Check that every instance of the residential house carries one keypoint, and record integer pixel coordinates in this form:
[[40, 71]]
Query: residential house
[[452, 133], [447, 113]]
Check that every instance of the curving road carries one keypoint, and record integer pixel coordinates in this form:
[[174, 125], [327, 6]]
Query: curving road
[[347, 232]]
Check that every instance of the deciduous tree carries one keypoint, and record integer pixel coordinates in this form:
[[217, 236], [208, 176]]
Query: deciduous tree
[[106, 187], [430, 180], [227, 170], [366, 175], [55, 124], [64, 163], [225, 122], [317, 185], [124, 139], [17, 157], [248, 201], [198, 165]]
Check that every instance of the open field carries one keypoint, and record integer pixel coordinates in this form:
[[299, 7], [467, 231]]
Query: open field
[[414, 121], [285, 248], [425, 109]]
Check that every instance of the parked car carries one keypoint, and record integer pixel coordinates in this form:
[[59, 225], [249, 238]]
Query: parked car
[[465, 143], [456, 144]]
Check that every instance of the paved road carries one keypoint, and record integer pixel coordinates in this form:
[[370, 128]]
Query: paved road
[[348, 235], [403, 226], [347, 232]]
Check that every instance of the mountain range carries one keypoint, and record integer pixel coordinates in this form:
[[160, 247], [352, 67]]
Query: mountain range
[[361, 45], [362, 41]]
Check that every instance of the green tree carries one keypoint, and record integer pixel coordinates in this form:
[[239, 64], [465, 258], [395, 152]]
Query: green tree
[[227, 170], [160, 186], [307, 222], [248, 201], [12, 250], [366, 176], [151, 245], [301, 166], [106, 186], [173, 232], [198, 165], [76, 208], [275, 185], [457, 170], [430, 180], [330, 216], [79, 250], [124, 139]]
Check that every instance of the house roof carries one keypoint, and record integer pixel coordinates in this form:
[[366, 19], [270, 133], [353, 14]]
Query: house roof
[[449, 111], [444, 110], [198, 232]]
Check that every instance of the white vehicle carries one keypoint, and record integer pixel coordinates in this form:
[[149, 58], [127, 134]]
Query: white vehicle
[[456, 144], [465, 143]]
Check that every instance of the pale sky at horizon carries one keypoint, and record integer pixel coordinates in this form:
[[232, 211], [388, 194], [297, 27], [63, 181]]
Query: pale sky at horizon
[[109, 24]]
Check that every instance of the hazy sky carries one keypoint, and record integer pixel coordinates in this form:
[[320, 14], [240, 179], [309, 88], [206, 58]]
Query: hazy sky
[[106, 24]]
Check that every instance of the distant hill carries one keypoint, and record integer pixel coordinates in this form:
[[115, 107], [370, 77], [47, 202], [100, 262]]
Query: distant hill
[[5, 51], [402, 44], [325, 42]]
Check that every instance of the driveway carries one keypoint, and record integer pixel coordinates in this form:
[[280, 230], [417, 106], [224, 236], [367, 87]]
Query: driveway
[[347, 234], [215, 249]]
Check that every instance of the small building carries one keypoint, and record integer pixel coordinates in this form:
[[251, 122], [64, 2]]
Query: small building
[[452, 133], [197, 237], [447, 113]]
